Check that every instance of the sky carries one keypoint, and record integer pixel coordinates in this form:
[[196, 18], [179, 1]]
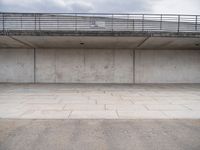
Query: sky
[[103, 6]]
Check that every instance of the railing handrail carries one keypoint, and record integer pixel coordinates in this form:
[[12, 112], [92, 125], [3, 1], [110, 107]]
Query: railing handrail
[[100, 13]]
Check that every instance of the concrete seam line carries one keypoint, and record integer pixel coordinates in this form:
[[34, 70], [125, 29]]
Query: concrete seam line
[[133, 66], [24, 43], [140, 44], [34, 55]]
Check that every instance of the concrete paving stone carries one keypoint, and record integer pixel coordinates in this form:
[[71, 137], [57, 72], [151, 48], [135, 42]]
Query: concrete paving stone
[[110, 101], [193, 106], [41, 101], [95, 97], [16, 99], [141, 115], [84, 107], [66, 91], [126, 107], [93, 115], [166, 98], [166, 107], [69, 95], [10, 106], [14, 115], [183, 102], [144, 102], [149, 94], [192, 98], [11, 98], [142, 98], [125, 94], [94, 93], [77, 102], [182, 114], [72, 98], [12, 112], [44, 106], [47, 114], [40, 97], [10, 101]]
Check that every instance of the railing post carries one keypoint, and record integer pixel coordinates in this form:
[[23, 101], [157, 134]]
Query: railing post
[[35, 22], [133, 24], [196, 21], [75, 21], [161, 22], [21, 21], [57, 21], [3, 21], [127, 22], [178, 23], [112, 22], [39, 21], [143, 22]]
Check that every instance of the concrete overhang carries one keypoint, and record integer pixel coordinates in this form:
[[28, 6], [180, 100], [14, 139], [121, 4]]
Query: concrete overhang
[[101, 40]]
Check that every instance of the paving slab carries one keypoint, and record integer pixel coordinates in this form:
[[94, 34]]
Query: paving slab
[[47, 114], [100, 101], [84, 107], [166, 107], [93, 115], [142, 115]]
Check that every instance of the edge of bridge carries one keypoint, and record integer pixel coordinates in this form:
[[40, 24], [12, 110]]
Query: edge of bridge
[[100, 33]]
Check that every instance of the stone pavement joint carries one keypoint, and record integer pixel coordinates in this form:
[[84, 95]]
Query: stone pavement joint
[[100, 101]]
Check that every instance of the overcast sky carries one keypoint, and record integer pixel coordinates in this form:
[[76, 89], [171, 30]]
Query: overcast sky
[[121, 6]]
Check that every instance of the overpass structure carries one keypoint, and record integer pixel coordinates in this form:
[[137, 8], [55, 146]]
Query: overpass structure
[[99, 48]]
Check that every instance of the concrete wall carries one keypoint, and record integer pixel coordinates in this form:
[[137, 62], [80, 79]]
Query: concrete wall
[[16, 65], [84, 66], [99, 66], [167, 66]]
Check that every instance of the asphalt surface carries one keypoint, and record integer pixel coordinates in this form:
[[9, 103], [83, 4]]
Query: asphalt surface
[[99, 134]]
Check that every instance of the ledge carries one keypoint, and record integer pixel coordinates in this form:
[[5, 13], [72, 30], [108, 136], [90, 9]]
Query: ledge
[[100, 33]]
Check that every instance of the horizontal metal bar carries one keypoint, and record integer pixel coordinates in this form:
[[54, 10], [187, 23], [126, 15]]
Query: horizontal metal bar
[[99, 22]]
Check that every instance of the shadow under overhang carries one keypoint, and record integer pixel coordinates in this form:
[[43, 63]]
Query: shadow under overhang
[[101, 40]]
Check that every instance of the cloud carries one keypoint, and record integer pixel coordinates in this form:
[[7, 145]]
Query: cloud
[[105, 6], [176, 6], [75, 5], [45, 6]]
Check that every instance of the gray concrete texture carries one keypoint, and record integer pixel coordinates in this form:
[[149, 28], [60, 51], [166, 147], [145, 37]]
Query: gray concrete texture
[[101, 42], [178, 66], [16, 65], [99, 66], [85, 66], [99, 134]]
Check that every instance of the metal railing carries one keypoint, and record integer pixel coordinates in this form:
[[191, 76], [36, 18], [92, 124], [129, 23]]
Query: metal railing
[[99, 22]]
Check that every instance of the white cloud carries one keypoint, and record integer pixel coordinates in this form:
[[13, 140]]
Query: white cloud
[[120, 6], [176, 6]]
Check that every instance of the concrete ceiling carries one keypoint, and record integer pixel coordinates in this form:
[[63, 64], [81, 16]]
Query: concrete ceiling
[[7, 42], [99, 42], [171, 43]]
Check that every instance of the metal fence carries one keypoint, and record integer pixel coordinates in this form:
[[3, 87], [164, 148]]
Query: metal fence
[[99, 22]]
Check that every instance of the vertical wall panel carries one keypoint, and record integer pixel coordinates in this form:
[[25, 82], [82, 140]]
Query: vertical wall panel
[[84, 66], [167, 66], [45, 66], [17, 65]]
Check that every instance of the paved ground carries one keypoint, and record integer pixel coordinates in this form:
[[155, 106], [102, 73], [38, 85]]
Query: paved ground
[[98, 101], [99, 134]]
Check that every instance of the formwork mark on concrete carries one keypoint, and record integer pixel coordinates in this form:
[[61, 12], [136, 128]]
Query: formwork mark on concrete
[[24, 43], [140, 44]]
